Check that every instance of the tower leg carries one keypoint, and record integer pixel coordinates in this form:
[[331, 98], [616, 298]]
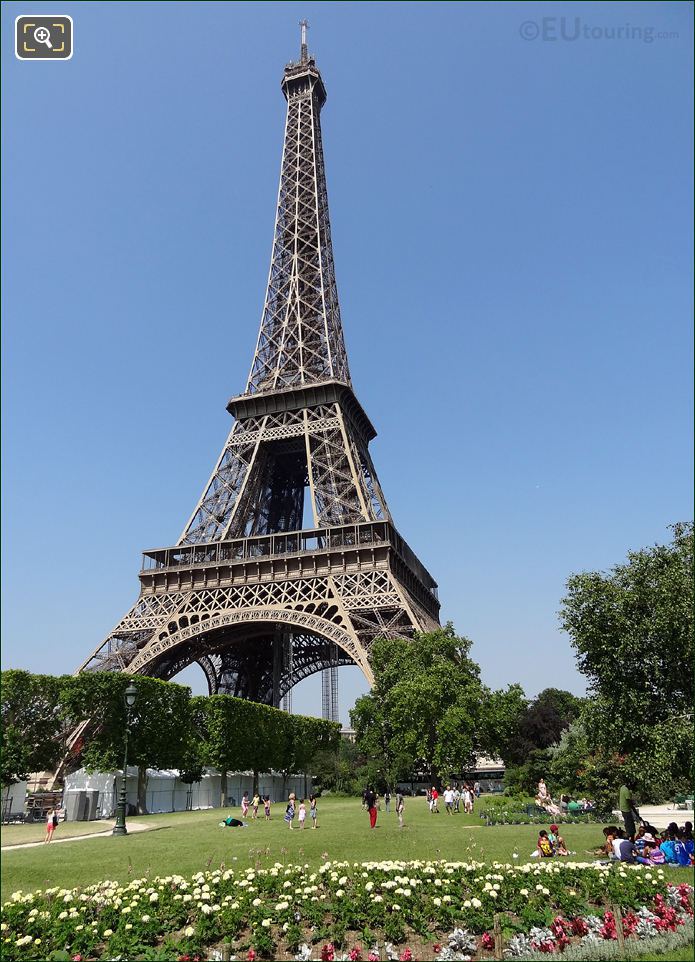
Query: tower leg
[[329, 689]]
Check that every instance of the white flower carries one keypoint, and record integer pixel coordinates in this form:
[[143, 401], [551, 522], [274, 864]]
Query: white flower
[[107, 933], [189, 931], [396, 907], [154, 897], [266, 923], [437, 902], [256, 903], [476, 903], [467, 904], [129, 926], [523, 892], [493, 894], [146, 918], [205, 909]]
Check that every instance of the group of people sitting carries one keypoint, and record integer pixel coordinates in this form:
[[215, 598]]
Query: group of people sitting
[[673, 846], [567, 806], [550, 843]]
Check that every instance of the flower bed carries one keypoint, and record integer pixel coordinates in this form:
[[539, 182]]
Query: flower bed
[[534, 816], [375, 910]]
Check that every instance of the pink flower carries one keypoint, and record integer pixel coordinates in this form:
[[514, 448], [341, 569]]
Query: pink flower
[[487, 942], [328, 953], [251, 956], [373, 957], [437, 947], [355, 954], [406, 955]]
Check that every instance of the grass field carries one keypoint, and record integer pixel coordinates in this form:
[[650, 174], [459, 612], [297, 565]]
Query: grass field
[[186, 842]]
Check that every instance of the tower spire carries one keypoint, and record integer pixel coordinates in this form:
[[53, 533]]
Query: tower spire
[[304, 50]]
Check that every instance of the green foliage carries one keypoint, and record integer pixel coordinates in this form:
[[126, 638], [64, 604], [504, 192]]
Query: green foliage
[[424, 710], [158, 727], [632, 631], [540, 725], [32, 728], [500, 716], [232, 734]]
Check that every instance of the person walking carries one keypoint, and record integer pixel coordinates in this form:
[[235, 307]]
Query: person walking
[[370, 802], [387, 801], [449, 800], [289, 811], [266, 807], [51, 824], [245, 805], [302, 813], [400, 805], [313, 811], [254, 805], [435, 801]]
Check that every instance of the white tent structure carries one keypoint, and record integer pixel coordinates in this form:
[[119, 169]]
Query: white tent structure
[[13, 799], [165, 791]]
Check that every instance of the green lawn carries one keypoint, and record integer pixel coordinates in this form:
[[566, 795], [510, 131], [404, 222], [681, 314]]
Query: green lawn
[[186, 842], [35, 831]]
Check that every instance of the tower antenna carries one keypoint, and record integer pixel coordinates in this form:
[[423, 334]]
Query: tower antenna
[[304, 51]]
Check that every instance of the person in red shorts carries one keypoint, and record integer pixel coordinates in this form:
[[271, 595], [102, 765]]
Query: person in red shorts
[[370, 802]]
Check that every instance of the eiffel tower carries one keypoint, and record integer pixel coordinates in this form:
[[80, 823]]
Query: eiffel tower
[[255, 598]]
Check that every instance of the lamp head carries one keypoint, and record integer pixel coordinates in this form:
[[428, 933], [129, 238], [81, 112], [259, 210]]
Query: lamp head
[[131, 693]]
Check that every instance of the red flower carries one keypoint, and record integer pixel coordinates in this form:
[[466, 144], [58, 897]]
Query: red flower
[[406, 955], [487, 942], [328, 953], [355, 954], [579, 926], [251, 956]]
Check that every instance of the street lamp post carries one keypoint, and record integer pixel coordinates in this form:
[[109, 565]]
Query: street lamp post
[[119, 828]]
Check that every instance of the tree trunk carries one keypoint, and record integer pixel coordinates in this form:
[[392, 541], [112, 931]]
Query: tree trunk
[[223, 789], [255, 782], [306, 786], [142, 790]]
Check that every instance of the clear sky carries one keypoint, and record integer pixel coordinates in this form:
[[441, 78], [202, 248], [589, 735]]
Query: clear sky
[[511, 225]]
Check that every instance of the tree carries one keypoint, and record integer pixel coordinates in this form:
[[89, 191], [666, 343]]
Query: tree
[[33, 732], [501, 714], [424, 708], [632, 631], [541, 724], [159, 724]]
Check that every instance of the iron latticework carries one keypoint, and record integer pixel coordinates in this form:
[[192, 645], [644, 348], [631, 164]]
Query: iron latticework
[[253, 596]]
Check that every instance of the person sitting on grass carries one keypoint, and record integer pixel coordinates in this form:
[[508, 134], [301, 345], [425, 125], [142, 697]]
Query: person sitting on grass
[[651, 853], [624, 850], [674, 848], [544, 845], [557, 841]]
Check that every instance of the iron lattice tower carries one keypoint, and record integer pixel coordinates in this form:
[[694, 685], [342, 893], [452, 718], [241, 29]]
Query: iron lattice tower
[[253, 596]]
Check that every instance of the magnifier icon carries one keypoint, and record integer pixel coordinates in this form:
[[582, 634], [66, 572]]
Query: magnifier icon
[[43, 35]]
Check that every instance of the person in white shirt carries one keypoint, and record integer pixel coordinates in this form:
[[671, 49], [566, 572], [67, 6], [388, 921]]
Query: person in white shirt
[[449, 800]]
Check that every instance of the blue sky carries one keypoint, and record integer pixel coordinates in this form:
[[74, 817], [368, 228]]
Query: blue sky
[[511, 225]]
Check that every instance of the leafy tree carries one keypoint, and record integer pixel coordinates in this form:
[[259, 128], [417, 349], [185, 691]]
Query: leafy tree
[[336, 771], [424, 708], [501, 714], [159, 723], [541, 724], [33, 732], [632, 632]]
